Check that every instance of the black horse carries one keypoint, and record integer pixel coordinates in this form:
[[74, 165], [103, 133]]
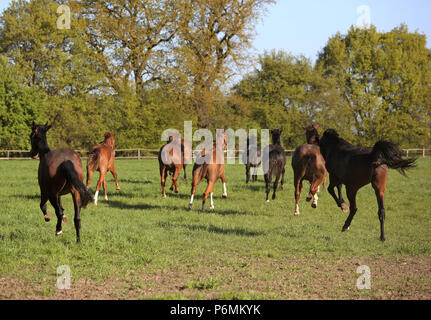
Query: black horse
[[356, 166], [274, 163], [60, 172]]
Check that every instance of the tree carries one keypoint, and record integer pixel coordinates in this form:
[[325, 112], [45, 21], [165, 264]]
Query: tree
[[19, 106], [384, 79]]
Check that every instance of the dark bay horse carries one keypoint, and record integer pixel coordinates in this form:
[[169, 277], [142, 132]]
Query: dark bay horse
[[210, 170], [171, 158], [101, 158], [274, 163], [252, 159], [308, 164], [60, 172], [356, 166]]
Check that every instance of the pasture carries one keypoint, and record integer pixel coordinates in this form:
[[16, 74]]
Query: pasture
[[138, 245]]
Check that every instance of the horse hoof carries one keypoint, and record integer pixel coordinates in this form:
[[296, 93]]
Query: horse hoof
[[382, 239], [47, 218], [118, 188], [314, 205], [345, 207], [345, 229], [267, 200], [212, 208], [64, 219], [176, 191], [59, 233], [280, 188], [308, 199], [164, 196], [106, 198], [296, 213], [190, 206], [224, 196]]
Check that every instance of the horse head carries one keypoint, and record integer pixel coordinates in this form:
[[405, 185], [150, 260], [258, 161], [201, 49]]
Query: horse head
[[38, 138], [311, 134], [109, 139], [330, 138], [276, 136]]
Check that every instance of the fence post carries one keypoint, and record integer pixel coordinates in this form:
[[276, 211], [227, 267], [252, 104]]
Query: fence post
[[407, 153], [8, 154], [423, 152], [139, 154]]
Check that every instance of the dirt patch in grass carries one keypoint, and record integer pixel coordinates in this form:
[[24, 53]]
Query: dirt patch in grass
[[230, 277]]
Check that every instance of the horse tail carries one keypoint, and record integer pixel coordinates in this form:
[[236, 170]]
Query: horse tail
[[93, 157], [388, 153], [72, 177]]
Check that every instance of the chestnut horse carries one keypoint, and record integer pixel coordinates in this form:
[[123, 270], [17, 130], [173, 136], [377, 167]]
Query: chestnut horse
[[274, 163], [206, 166], [60, 172], [356, 166], [172, 158], [101, 158], [308, 164]]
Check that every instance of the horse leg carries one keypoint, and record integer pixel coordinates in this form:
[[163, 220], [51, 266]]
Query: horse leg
[[77, 219], [43, 200], [351, 195], [379, 186], [62, 210], [163, 180], [89, 173], [268, 178], [117, 185], [282, 179], [195, 183], [342, 204], [247, 172], [54, 200], [254, 178], [99, 183], [297, 186], [185, 174], [105, 189], [277, 177], [314, 187], [223, 180], [175, 177], [208, 190]]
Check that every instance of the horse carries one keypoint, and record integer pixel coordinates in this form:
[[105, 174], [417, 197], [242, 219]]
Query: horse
[[60, 172], [171, 160], [252, 159], [101, 158], [308, 164], [274, 163], [206, 166], [356, 166]]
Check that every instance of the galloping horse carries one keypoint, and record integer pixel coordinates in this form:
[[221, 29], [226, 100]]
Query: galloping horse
[[210, 170], [60, 172], [101, 158], [356, 166], [274, 163], [171, 159], [252, 159], [308, 164]]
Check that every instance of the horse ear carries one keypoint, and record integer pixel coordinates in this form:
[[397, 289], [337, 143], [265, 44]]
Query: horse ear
[[106, 134], [33, 125], [47, 127], [316, 126]]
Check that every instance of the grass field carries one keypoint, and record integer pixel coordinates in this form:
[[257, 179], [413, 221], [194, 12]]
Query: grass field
[[138, 245]]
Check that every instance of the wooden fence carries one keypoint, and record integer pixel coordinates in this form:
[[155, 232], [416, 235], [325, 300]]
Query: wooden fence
[[144, 153]]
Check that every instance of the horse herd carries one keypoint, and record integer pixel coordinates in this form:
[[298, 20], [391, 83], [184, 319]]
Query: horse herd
[[60, 171]]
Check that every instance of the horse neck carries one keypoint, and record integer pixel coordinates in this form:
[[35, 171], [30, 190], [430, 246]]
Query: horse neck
[[43, 148], [108, 143]]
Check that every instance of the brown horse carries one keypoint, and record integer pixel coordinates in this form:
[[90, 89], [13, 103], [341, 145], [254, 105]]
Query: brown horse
[[308, 164], [252, 159], [171, 160], [210, 170], [101, 158], [60, 172], [356, 166]]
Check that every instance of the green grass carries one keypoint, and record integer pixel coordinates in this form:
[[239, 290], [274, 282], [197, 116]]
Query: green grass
[[139, 245]]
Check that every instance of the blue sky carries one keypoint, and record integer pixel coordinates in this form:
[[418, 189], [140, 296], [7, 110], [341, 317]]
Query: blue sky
[[304, 26]]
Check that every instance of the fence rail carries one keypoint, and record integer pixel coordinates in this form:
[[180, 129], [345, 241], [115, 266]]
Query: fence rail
[[144, 153]]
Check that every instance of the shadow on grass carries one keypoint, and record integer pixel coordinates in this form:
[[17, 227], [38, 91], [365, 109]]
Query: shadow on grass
[[213, 229], [26, 196]]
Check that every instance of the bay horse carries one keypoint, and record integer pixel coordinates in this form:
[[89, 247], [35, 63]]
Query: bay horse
[[60, 172], [252, 159], [101, 158], [210, 170], [274, 164], [308, 164], [356, 166], [171, 158]]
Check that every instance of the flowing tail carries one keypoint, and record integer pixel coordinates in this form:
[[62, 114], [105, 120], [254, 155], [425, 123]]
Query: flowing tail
[[388, 153], [92, 162], [72, 177]]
